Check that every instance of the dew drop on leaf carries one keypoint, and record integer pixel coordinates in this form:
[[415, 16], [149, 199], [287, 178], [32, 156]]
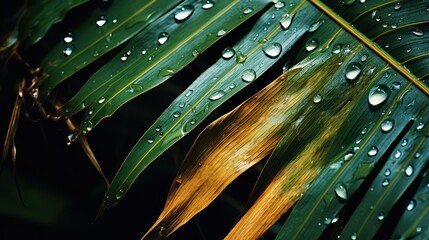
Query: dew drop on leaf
[[68, 50], [317, 99], [387, 172], [163, 37], [68, 38], [387, 125], [396, 85], [183, 13], [273, 50], [101, 100], [150, 140], [337, 48], [279, 5], [353, 71], [124, 58], [119, 194], [228, 53], [247, 10], [248, 75], [378, 95], [217, 95], [158, 128], [373, 151], [341, 191], [380, 216], [397, 6], [397, 154], [143, 51], [385, 183], [311, 44], [418, 32], [207, 4], [409, 170], [286, 21], [176, 114], [348, 156], [101, 21], [411, 205], [221, 33], [420, 126]]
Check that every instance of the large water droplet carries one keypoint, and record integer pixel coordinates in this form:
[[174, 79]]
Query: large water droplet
[[380, 216], [248, 75], [124, 58], [385, 182], [353, 71], [247, 10], [217, 95], [387, 125], [286, 21], [68, 50], [341, 191], [409, 170], [348, 156], [163, 37], [373, 151], [418, 32], [101, 21], [228, 53], [150, 140], [311, 44], [101, 100], [176, 114], [119, 194], [207, 4], [183, 13], [411, 205], [68, 38], [378, 95], [317, 98], [273, 50]]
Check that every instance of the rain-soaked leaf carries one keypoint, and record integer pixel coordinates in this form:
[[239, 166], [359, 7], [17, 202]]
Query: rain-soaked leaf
[[102, 31], [41, 15], [250, 58], [146, 60]]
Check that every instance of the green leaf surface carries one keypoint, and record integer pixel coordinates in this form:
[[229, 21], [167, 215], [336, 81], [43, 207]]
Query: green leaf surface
[[225, 78], [102, 31], [413, 223], [147, 60], [41, 15], [398, 173]]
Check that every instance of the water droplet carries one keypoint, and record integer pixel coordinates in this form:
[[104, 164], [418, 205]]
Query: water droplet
[[337, 48], [68, 38], [397, 6], [348, 156], [418, 32], [189, 93], [387, 125], [232, 86], [221, 33], [143, 51], [409, 49], [133, 88], [363, 58], [96, 54], [327, 221], [315, 26], [311, 44], [150, 140], [418, 155], [378, 95], [176, 114], [354, 236], [195, 53], [181, 104], [380, 216], [409, 170], [87, 126], [119, 194], [162, 38], [247, 10], [68, 50], [193, 121], [341, 191], [397, 154], [335, 219], [286, 21], [248, 75], [317, 99], [183, 13], [90, 111], [228, 53], [158, 128], [385, 25], [404, 142], [273, 50], [373, 151], [101, 100], [124, 58], [179, 179], [353, 71], [418, 229], [279, 5], [396, 85], [420, 126], [114, 20], [217, 95], [387, 172], [241, 58], [207, 4], [101, 21], [411, 205], [385, 182]]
